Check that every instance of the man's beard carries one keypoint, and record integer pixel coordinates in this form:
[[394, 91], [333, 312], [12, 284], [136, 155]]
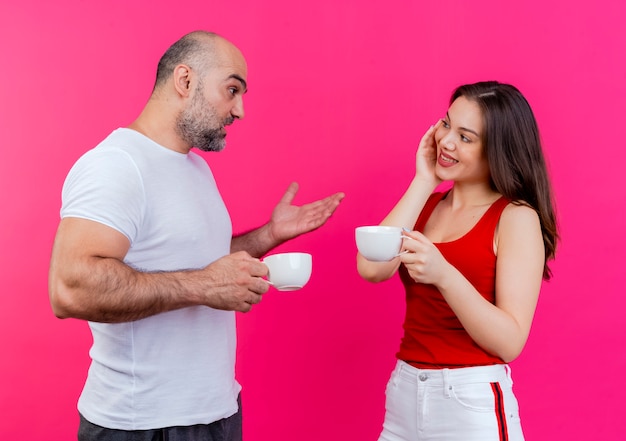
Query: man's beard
[[207, 140], [199, 126]]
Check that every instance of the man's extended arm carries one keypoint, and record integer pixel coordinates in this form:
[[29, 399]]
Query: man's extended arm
[[287, 221]]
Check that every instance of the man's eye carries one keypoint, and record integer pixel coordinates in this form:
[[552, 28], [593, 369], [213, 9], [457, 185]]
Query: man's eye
[[232, 90]]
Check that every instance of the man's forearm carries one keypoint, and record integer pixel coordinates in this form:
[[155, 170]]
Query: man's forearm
[[107, 290], [256, 242]]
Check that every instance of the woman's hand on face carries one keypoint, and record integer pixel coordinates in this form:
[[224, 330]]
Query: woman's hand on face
[[422, 259], [426, 156]]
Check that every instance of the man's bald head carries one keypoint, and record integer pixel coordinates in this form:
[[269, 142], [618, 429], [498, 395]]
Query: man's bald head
[[197, 50]]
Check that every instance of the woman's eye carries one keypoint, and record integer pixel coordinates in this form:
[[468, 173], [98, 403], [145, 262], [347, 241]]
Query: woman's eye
[[465, 138], [446, 125]]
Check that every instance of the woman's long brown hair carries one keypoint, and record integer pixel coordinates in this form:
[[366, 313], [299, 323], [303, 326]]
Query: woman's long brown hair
[[516, 160]]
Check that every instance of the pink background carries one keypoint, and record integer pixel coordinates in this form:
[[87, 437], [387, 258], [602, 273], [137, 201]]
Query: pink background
[[340, 93]]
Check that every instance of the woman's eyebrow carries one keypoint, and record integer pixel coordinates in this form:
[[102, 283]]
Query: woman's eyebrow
[[463, 128]]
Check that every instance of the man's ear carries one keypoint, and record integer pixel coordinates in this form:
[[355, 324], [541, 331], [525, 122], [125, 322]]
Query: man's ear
[[182, 80]]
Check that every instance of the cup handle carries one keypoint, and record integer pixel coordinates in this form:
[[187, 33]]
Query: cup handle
[[267, 280]]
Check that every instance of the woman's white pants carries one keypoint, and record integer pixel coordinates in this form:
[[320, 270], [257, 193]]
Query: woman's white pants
[[464, 404]]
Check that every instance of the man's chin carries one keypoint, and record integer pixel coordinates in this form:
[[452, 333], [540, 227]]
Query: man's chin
[[213, 147]]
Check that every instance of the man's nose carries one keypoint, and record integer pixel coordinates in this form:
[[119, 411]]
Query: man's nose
[[237, 110]]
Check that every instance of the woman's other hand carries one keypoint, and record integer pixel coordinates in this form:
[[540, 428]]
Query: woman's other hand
[[422, 259]]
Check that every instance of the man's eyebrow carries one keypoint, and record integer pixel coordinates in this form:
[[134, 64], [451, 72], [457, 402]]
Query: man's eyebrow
[[241, 80], [464, 128]]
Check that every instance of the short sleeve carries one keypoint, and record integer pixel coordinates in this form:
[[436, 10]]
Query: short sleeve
[[105, 186]]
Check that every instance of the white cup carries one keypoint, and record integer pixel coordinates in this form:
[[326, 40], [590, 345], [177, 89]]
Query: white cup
[[378, 243], [289, 271]]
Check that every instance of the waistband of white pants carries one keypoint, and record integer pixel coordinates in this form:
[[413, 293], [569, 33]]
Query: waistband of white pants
[[434, 377]]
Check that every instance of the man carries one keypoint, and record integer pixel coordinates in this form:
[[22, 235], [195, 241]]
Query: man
[[144, 252]]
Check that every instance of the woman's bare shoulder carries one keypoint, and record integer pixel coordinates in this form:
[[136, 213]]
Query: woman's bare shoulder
[[518, 217]]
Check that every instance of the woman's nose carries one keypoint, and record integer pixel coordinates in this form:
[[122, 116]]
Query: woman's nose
[[447, 142]]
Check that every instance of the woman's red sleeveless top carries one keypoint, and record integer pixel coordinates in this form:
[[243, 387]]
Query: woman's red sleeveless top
[[433, 336]]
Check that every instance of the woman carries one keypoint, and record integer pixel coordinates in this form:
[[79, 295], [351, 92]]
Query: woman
[[472, 268]]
